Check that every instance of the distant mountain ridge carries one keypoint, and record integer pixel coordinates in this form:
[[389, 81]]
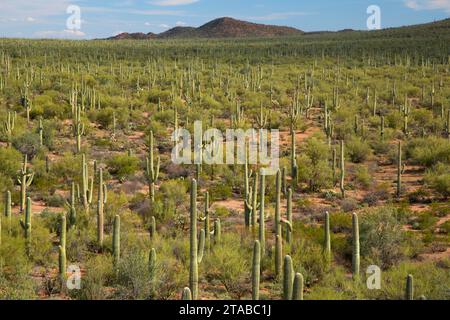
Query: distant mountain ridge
[[218, 28], [232, 28]]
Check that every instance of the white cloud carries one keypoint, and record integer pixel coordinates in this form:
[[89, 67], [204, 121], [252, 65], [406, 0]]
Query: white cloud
[[164, 26], [181, 24], [64, 34], [428, 4], [167, 3], [31, 19]]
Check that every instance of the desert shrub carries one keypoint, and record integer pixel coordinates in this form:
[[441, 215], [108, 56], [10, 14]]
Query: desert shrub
[[220, 191], [363, 177], [349, 204], [431, 279], [11, 160], [123, 165], [382, 237], [99, 274], [438, 179], [357, 150], [313, 165], [226, 265], [135, 278], [379, 193], [28, 144], [429, 151], [425, 221]]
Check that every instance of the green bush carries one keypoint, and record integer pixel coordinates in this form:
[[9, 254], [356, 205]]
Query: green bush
[[123, 165]]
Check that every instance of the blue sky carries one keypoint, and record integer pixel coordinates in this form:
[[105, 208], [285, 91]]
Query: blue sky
[[103, 18]]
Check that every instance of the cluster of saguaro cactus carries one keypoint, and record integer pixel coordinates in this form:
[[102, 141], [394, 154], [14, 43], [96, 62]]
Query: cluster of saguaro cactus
[[26, 226], [101, 201], [152, 171], [277, 225], [263, 119], [196, 247], [238, 118], [292, 283], [25, 180]]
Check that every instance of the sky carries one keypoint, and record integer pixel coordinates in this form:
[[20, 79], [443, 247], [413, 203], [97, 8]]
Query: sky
[[104, 18]]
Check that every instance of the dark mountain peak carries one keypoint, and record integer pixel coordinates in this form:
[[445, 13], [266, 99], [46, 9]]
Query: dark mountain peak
[[230, 28], [134, 36]]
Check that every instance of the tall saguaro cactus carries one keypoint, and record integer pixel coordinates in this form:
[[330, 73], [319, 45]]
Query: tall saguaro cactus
[[8, 209], [25, 180], [289, 216], [87, 184], [294, 166], [102, 199], [327, 236], [288, 278], [116, 241], [262, 230], [78, 127], [196, 248], [26, 226], [256, 270], [355, 239], [399, 170], [152, 171], [9, 124], [297, 293], [342, 159]]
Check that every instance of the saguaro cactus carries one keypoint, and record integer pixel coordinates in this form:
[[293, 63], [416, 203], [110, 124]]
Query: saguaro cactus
[[327, 242], [262, 231], [62, 231], [102, 199], [8, 209], [86, 184], [9, 124], [297, 293], [278, 254], [256, 270], [186, 294], [25, 180], [152, 227], [342, 159], [78, 127], [72, 206], [409, 292], [196, 249], [26, 226], [152, 171], [288, 278], [399, 169], [294, 166], [217, 231], [116, 241], [206, 221], [289, 216], [355, 239], [62, 264]]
